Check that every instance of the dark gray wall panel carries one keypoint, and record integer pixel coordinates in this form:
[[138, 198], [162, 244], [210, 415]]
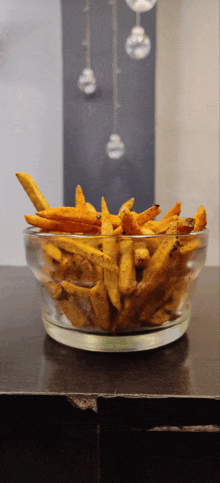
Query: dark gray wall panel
[[88, 121]]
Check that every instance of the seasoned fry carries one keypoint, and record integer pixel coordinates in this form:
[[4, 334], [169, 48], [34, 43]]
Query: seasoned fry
[[80, 201], [130, 226], [169, 310], [88, 274], [141, 255], [127, 274], [110, 249], [52, 252], [160, 227], [148, 214], [33, 191], [184, 225], [54, 289], [75, 289], [73, 214], [175, 210], [65, 226], [90, 207], [200, 219], [100, 304], [72, 310], [91, 254], [128, 205]]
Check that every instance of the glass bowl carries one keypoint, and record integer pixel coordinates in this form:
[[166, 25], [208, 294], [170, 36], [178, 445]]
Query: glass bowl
[[116, 293]]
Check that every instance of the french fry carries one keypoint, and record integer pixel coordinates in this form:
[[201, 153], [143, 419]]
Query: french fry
[[141, 255], [73, 214], [100, 304], [52, 251], [54, 289], [110, 249], [169, 309], [130, 226], [200, 219], [33, 191], [147, 215], [184, 225], [128, 205], [66, 226], [80, 201], [175, 210], [72, 309], [160, 227], [127, 274], [90, 253], [72, 289], [90, 207], [87, 275]]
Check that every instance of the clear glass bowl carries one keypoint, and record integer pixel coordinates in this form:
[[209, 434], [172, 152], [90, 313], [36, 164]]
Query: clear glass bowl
[[116, 293]]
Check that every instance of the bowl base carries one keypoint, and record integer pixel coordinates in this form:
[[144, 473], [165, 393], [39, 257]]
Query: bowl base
[[118, 343]]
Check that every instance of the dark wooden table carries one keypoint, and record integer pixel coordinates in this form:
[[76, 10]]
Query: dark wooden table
[[132, 399]]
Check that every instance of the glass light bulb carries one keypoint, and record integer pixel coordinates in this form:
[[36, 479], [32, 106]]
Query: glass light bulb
[[138, 44], [115, 147], [141, 5], [87, 81]]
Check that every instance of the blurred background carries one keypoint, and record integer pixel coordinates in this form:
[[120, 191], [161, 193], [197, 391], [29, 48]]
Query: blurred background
[[173, 152]]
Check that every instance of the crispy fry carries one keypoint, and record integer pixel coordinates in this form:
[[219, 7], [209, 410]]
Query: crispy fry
[[54, 289], [130, 226], [118, 231], [91, 254], [80, 201], [75, 289], [72, 310], [52, 252], [148, 214], [184, 225], [88, 275], [160, 227], [128, 204], [127, 274], [100, 304], [90, 207], [110, 249], [141, 255], [200, 219], [33, 191], [65, 226], [169, 309], [69, 213], [175, 210]]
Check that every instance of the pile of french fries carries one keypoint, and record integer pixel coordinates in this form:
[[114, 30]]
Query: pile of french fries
[[118, 271]]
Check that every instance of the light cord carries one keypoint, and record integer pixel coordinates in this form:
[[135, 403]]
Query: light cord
[[114, 65], [138, 19], [87, 42]]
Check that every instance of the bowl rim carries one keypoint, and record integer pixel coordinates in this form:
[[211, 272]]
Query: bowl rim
[[31, 230]]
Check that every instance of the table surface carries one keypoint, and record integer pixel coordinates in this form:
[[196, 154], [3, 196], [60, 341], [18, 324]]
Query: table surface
[[33, 363]]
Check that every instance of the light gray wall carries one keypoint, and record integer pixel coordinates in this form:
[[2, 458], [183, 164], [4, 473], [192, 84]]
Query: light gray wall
[[187, 110]]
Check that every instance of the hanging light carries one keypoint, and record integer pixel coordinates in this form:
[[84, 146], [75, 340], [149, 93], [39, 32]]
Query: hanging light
[[138, 44], [86, 81], [141, 5]]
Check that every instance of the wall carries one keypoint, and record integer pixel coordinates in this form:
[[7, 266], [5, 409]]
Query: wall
[[187, 134], [30, 114], [187, 103]]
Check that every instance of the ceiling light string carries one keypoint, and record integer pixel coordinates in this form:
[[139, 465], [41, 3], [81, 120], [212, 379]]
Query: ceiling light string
[[115, 147]]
